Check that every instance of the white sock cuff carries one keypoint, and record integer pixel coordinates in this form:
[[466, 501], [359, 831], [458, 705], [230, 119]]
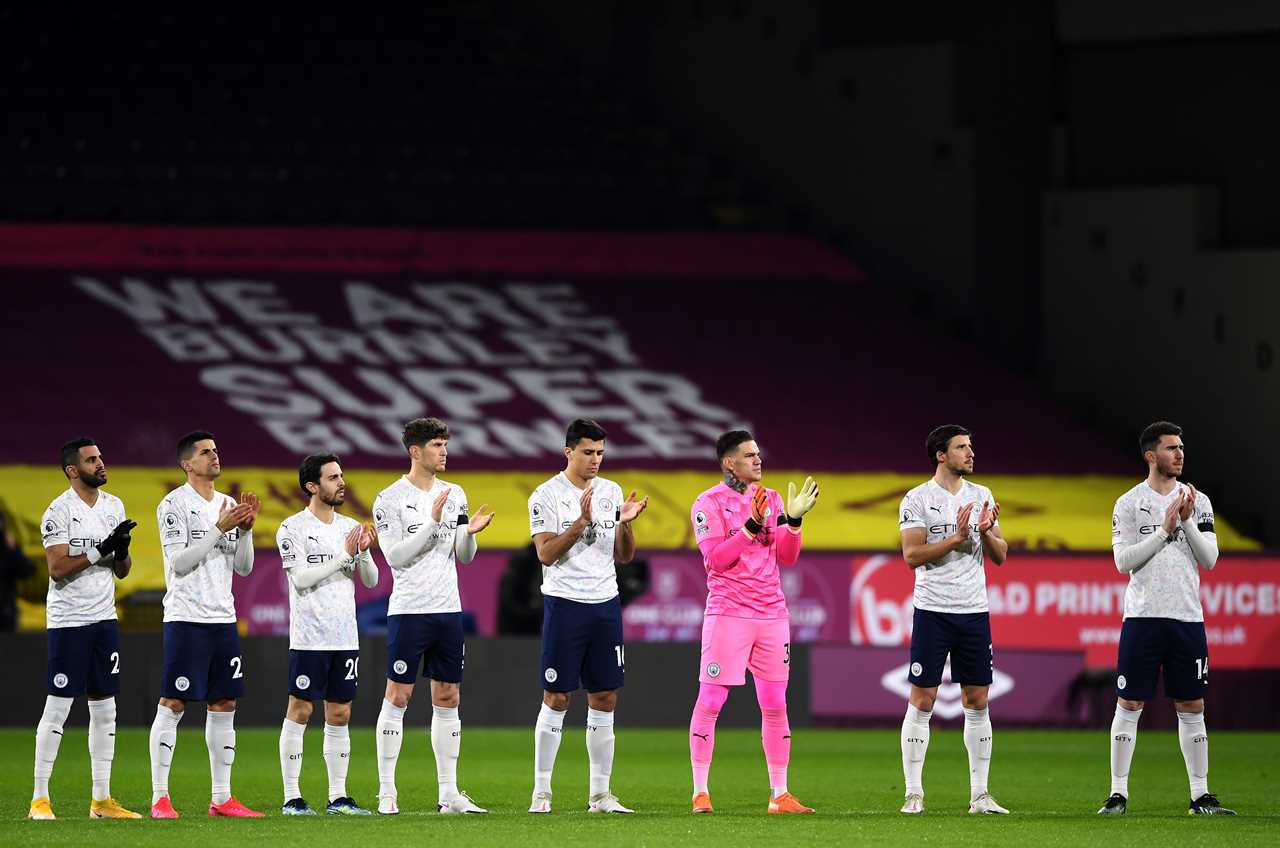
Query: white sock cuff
[[56, 710], [444, 713], [918, 716], [225, 719], [555, 718], [168, 718], [293, 728], [1129, 715], [390, 710], [599, 718], [976, 716], [108, 703], [1191, 719], [337, 731]]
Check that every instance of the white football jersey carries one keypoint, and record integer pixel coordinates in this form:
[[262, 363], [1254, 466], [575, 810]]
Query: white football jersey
[[1168, 586], [202, 595], [955, 583], [428, 584], [88, 595], [321, 617], [586, 572]]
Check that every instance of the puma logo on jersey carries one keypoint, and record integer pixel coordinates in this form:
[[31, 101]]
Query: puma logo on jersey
[[936, 509], [1145, 509]]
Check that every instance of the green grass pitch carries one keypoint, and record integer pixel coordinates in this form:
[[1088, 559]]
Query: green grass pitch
[[1053, 781]]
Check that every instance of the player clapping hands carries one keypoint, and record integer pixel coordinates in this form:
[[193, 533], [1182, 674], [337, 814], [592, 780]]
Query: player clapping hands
[[631, 508]]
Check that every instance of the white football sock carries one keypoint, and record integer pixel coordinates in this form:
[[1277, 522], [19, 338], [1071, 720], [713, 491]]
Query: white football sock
[[1124, 738], [1193, 738], [546, 742], [164, 736], [977, 741], [48, 739], [220, 737], [915, 742], [390, 736], [337, 758], [446, 743], [291, 757], [102, 745], [600, 744]]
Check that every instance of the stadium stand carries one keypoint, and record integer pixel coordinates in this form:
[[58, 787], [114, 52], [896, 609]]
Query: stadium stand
[[337, 119]]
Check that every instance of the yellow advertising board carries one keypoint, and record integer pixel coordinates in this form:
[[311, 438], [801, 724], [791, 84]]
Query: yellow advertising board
[[854, 512]]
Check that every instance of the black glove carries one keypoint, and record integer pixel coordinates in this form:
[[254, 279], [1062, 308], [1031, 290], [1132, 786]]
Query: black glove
[[118, 542]]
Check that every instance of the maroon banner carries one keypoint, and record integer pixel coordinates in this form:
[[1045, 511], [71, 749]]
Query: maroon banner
[[863, 683], [368, 251], [285, 342]]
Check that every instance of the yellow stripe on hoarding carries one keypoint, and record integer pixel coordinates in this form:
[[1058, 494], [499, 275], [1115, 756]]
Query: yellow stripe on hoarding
[[854, 511]]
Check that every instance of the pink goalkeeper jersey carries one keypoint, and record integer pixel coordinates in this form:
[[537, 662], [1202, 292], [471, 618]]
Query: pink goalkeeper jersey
[[751, 586]]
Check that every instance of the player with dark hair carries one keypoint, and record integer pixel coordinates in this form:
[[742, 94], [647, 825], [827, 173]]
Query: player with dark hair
[[745, 532], [86, 542], [1161, 535], [581, 527], [206, 537], [322, 551], [948, 547], [424, 531]]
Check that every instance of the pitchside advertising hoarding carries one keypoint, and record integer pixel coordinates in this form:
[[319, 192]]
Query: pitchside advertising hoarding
[[1077, 603], [1044, 603], [1051, 618]]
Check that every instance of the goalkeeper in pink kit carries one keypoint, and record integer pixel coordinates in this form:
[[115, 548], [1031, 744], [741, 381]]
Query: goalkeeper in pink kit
[[744, 532]]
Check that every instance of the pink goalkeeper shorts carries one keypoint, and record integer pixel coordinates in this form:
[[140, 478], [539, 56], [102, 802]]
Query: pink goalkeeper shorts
[[731, 645]]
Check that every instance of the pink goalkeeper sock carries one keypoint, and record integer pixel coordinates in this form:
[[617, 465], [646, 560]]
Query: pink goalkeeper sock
[[775, 731], [702, 731]]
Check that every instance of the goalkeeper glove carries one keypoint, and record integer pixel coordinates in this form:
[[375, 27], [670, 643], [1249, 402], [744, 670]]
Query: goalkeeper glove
[[799, 503], [759, 503]]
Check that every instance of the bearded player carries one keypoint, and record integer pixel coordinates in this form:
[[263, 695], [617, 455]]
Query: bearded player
[[745, 532]]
